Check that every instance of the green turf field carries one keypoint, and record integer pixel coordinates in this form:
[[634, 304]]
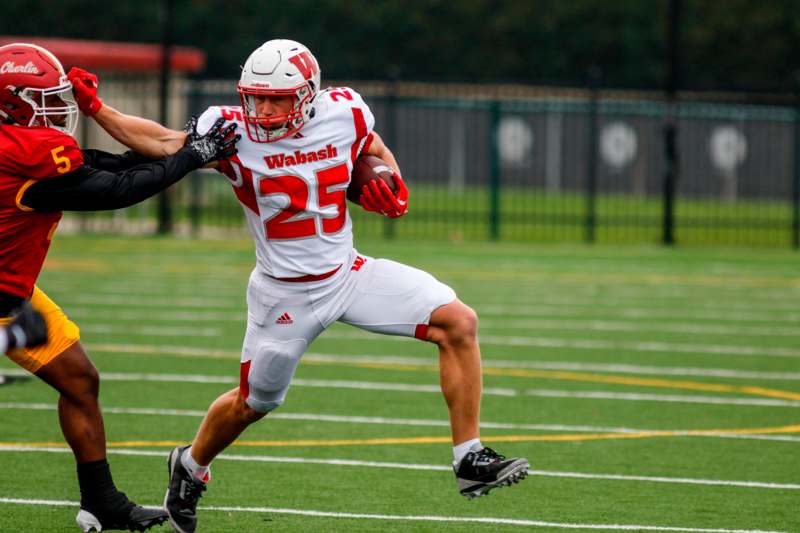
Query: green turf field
[[651, 389]]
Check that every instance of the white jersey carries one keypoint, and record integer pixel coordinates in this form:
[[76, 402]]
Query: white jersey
[[293, 190]]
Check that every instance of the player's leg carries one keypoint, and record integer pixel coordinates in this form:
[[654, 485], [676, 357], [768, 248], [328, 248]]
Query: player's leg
[[63, 364], [400, 300], [453, 327], [280, 326]]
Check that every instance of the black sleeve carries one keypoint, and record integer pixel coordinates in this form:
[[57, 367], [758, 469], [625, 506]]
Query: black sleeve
[[113, 162], [92, 189]]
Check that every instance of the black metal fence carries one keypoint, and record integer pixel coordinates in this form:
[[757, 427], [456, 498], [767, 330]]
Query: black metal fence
[[581, 166]]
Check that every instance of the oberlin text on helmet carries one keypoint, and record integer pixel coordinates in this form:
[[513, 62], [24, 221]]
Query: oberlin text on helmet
[[9, 67]]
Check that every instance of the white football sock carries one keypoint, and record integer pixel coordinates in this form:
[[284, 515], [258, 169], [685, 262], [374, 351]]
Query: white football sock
[[462, 449], [203, 473]]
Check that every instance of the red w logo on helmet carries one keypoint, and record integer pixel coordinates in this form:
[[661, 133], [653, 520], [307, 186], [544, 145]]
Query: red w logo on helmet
[[305, 64]]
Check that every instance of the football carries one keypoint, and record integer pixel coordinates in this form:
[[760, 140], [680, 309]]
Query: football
[[366, 169]]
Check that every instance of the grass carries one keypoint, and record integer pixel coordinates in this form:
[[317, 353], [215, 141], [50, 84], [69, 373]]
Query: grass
[[603, 360]]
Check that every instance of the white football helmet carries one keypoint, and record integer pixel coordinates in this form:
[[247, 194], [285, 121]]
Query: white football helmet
[[278, 68]]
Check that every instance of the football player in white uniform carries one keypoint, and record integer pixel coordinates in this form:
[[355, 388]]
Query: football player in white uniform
[[290, 175]]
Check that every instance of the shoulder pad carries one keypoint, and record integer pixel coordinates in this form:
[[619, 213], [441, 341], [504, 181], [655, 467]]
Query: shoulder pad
[[38, 152]]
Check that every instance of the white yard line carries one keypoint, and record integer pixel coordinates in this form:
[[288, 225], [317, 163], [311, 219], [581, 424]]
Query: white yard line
[[528, 324], [416, 422], [416, 518], [608, 395], [150, 331], [189, 351], [540, 342], [426, 467], [435, 389], [594, 344], [637, 327], [638, 312], [236, 301]]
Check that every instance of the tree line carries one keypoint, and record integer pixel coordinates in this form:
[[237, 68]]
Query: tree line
[[724, 45]]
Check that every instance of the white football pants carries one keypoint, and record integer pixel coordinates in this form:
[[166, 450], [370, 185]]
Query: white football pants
[[283, 317]]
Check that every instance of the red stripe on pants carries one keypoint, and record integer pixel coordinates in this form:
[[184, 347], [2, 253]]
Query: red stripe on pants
[[244, 386]]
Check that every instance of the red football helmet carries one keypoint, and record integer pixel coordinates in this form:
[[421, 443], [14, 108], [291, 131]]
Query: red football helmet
[[34, 89]]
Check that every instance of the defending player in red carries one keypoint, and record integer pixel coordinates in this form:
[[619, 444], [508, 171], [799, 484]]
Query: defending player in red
[[290, 176], [42, 173]]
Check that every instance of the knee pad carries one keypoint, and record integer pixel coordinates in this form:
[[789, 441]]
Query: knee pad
[[270, 372]]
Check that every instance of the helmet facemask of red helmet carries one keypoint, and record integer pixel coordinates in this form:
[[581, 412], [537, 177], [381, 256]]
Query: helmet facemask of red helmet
[[34, 90]]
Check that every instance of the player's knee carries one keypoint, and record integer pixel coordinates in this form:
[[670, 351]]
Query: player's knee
[[247, 413], [462, 326], [261, 408], [82, 381], [270, 373]]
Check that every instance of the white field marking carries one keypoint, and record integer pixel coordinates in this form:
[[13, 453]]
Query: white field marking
[[150, 331], [636, 327], [508, 340], [560, 365], [317, 383], [424, 467], [332, 418], [580, 325], [397, 421], [417, 518], [606, 395], [160, 316], [130, 301], [187, 351], [646, 298], [413, 387], [237, 303], [594, 344], [611, 301], [637, 312]]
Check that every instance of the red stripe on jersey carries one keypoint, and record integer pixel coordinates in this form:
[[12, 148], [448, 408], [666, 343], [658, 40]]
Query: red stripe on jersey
[[368, 143], [421, 332], [241, 179], [361, 132], [244, 385]]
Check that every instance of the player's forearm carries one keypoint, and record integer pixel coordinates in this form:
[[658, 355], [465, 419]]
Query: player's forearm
[[379, 149], [88, 189], [144, 136]]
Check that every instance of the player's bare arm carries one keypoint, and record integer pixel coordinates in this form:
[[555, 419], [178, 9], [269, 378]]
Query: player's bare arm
[[144, 136], [379, 149]]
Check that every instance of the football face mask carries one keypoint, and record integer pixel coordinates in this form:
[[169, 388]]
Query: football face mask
[[273, 126]]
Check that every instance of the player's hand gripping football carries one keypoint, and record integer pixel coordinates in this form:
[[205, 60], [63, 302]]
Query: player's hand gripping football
[[377, 197], [27, 329], [217, 143], [84, 87]]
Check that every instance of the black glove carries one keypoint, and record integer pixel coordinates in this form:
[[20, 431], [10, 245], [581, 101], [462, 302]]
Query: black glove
[[27, 329], [217, 143]]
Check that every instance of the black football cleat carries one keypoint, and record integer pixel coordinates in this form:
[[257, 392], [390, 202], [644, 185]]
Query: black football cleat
[[183, 493], [484, 469], [131, 517]]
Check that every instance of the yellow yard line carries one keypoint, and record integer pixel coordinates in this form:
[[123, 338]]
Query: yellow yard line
[[598, 378], [446, 440]]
